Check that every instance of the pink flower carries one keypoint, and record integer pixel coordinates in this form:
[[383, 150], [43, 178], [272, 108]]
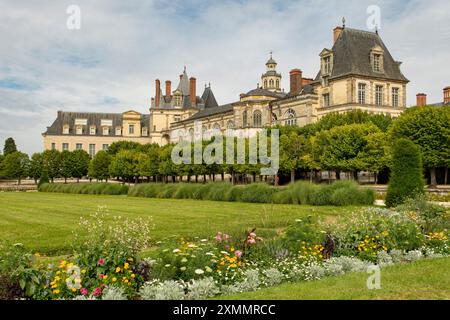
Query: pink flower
[[101, 262], [238, 253], [226, 237], [218, 237], [253, 235], [96, 292], [251, 241], [227, 247], [83, 291], [101, 275]]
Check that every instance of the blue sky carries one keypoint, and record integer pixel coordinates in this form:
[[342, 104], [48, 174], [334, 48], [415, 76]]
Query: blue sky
[[110, 64]]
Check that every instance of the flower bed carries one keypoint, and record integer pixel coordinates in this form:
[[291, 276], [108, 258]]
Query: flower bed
[[108, 265]]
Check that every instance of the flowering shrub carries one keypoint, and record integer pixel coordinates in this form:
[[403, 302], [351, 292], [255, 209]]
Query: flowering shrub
[[166, 290], [202, 288]]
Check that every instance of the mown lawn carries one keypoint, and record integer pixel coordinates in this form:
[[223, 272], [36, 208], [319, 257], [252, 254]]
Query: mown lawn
[[45, 221], [422, 280]]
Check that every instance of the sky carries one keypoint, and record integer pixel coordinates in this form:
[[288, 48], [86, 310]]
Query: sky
[[111, 62]]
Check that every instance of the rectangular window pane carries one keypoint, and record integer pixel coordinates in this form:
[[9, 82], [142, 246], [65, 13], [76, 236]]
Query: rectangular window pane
[[131, 129], [79, 146], [105, 147], [92, 130], [65, 146], [92, 149], [118, 131], [362, 93], [79, 130], [379, 95], [395, 97], [53, 146], [326, 100], [105, 131]]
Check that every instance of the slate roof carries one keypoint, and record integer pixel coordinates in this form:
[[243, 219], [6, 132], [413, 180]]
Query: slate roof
[[211, 112], [208, 98], [264, 92], [351, 54], [95, 119]]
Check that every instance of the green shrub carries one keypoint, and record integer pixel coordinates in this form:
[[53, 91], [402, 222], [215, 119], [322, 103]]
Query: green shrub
[[301, 192], [406, 179], [304, 230], [167, 191], [283, 197], [352, 195], [218, 191], [186, 191], [148, 190], [257, 193], [85, 188]]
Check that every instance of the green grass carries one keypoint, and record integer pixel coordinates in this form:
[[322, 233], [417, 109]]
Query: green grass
[[425, 279], [45, 221]]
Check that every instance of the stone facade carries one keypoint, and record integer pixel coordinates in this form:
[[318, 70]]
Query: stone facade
[[357, 73]]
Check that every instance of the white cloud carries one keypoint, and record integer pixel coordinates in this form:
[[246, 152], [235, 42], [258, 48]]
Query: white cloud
[[111, 63]]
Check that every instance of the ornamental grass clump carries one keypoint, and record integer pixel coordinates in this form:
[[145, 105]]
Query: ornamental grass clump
[[85, 188]]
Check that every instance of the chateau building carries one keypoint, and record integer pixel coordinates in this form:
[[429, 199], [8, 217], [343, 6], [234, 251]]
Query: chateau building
[[357, 73]]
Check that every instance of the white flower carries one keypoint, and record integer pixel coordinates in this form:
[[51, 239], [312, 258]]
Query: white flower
[[183, 268], [208, 269], [199, 271], [184, 260], [167, 265], [176, 250]]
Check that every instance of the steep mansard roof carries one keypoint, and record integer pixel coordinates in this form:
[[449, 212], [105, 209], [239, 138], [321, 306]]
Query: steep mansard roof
[[351, 54], [93, 119]]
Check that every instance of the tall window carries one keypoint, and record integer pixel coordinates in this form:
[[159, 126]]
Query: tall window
[[278, 84], [291, 118], [379, 95], [79, 130], [270, 83], [66, 129], [118, 131], [395, 97], [131, 129], [327, 65], [53, 146], [79, 146], [92, 130], [257, 119], [326, 100], [105, 146], [92, 149], [244, 119], [65, 146], [362, 93], [265, 84], [377, 62], [105, 131]]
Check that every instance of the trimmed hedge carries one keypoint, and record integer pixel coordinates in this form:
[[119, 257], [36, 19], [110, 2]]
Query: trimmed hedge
[[85, 188], [341, 193]]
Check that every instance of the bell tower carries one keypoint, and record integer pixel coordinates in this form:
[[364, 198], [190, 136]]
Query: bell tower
[[271, 80]]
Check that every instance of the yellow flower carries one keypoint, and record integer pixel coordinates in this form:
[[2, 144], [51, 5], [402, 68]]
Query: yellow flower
[[126, 265], [37, 254], [114, 279], [83, 271], [118, 269], [233, 265], [133, 275], [74, 290], [58, 272], [56, 291], [105, 277], [130, 259]]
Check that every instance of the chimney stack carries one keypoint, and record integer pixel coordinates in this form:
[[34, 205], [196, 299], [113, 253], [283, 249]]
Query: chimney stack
[[158, 93], [336, 33], [296, 81], [446, 95], [193, 91], [421, 99], [168, 88]]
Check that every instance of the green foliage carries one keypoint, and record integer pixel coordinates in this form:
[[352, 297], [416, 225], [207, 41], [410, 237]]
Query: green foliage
[[52, 162], [147, 190], [256, 193], [16, 166], [85, 188], [80, 164], [99, 166], [406, 179], [10, 147], [43, 178], [36, 165], [125, 165], [303, 230]]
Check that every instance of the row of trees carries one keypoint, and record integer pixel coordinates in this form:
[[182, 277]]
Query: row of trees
[[350, 142]]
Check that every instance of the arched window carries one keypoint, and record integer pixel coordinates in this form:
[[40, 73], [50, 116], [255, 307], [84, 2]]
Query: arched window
[[265, 84], [278, 84], [271, 83], [230, 124], [290, 118], [244, 119], [257, 119], [216, 128]]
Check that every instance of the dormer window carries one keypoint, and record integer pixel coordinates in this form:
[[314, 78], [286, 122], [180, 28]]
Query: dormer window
[[327, 65], [105, 131], [377, 62], [79, 130], [144, 131], [92, 130], [66, 129], [177, 99], [118, 131], [376, 59]]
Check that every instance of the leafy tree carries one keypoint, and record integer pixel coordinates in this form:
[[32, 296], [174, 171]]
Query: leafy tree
[[429, 128], [99, 166], [116, 147], [292, 153], [375, 155], [80, 164], [406, 179], [44, 177], [125, 165], [341, 148], [166, 167], [52, 163], [10, 146], [2, 157], [36, 166], [67, 163], [16, 166]]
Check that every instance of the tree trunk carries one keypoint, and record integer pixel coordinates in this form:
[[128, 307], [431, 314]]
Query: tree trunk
[[338, 174], [196, 178], [355, 175], [204, 178], [376, 177], [276, 180], [292, 175], [446, 176], [232, 177], [433, 182], [222, 176], [18, 181]]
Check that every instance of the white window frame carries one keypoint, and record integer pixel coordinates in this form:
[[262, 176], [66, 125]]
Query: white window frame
[[395, 97], [92, 130], [362, 93]]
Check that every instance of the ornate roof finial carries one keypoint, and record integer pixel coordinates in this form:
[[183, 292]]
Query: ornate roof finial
[[343, 22], [271, 54], [257, 85], [184, 69], [376, 29], [209, 84]]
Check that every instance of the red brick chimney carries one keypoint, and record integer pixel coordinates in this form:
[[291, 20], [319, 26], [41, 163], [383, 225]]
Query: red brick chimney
[[193, 91], [168, 88], [446, 95], [296, 81], [158, 93], [421, 99], [336, 33]]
